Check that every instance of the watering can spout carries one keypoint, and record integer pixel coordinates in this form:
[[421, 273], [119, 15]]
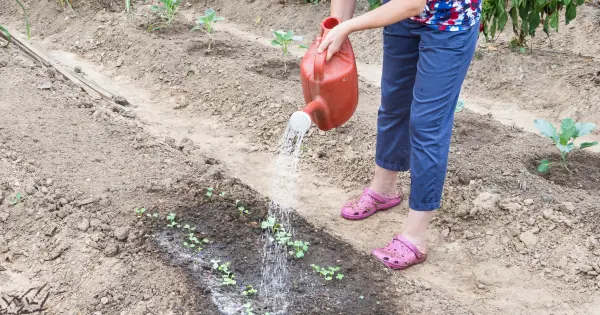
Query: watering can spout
[[302, 120]]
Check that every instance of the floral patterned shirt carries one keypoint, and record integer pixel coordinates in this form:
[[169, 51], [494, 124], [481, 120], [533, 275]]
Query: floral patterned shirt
[[450, 15]]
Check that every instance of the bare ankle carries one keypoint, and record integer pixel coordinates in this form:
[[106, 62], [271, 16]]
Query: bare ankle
[[418, 240], [385, 191]]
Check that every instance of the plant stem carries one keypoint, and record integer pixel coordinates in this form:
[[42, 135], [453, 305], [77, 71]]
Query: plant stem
[[27, 25]]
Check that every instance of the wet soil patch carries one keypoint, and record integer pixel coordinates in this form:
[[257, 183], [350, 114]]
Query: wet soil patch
[[277, 69], [238, 239], [584, 167]]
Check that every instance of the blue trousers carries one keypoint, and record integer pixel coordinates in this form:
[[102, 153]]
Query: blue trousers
[[423, 71]]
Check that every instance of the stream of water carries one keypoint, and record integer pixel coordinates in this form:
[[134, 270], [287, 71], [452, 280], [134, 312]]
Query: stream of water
[[276, 282]]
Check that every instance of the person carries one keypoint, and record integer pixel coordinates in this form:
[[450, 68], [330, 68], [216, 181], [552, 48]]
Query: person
[[428, 46]]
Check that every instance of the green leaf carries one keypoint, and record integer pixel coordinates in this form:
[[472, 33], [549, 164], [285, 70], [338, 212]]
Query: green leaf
[[580, 2], [554, 21], [544, 166], [339, 276], [567, 130], [564, 149], [275, 43], [303, 46], [502, 20], [547, 26], [515, 18], [299, 254], [540, 3], [588, 144], [534, 22], [7, 34], [584, 128], [546, 128], [289, 35]]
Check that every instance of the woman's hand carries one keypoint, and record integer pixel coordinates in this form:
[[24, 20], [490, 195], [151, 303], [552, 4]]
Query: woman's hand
[[334, 39]]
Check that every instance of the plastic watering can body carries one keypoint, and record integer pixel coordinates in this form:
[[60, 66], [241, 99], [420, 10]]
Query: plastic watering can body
[[330, 88]]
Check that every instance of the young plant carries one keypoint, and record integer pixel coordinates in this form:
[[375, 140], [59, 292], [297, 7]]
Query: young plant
[[207, 21], [222, 194], [329, 272], [18, 198], [283, 39], [153, 215], [270, 225], [565, 140], [249, 290], [140, 211], [209, 192], [227, 275], [248, 309], [166, 9], [127, 6], [171, 220], [282, 237], [228, 280], [300, 248], [241, 208]]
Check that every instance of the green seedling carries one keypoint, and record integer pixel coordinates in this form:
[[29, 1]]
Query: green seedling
[[300, 248], [18, 198], [207, 21], [167, 10], [241, 208], [249, 290], [209, 192], [270, 225], [127, 6], [329, 272], [140, 211], [248, 309], [228, 276], [565, 140], [153, 215], [283, 39], [222, 194], [228, 280], [171, 220], [282, 237]]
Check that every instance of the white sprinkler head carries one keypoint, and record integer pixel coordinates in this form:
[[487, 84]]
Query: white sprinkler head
[[300, 122]]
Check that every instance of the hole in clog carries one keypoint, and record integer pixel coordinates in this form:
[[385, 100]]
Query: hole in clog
[[386, 258]]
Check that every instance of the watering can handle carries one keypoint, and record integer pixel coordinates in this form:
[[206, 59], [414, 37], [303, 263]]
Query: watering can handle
[[320, 59]]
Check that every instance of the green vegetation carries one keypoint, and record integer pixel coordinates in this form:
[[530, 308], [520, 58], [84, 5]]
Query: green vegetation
[[328, 272], [166, 10], [565, 140], [283, 39], [16, 199], [526, 17]]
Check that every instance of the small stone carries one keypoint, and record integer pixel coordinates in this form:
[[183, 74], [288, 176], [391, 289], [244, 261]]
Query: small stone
[[462, 210], [83, 225], [111, 250], [46, 85], [531, 221], [446, 232], [489, 232], [4, 216], [348, 140], [95, 223], [592, 273], [49, 182], [77, 69], [547, 213], [528, 202], [44, 190], [122, 233], [481, 286], [129, 114], [528, 238], [63, 201], [568, 206], [104, 300], [509, 206], [469, 235], [86, 201], [596, 267], [552, 227], [473, 211], [120, 100], [586, 268], [30, 190], [486, 201]]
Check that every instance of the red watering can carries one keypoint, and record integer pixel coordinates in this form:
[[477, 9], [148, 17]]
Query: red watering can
[[330, 88]]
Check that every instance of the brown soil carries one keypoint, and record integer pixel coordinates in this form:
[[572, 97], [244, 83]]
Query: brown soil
[[583, 170], [506, 241]]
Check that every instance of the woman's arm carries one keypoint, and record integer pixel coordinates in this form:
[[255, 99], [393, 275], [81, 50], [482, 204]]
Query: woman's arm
[[343, 9], [389, 13]]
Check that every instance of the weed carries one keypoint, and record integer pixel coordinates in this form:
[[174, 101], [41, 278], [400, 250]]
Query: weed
[[249, 290], [328, 272], [565, 140], [167, 10], [300, 248], [18, 198], [209, 192], [283, 40]]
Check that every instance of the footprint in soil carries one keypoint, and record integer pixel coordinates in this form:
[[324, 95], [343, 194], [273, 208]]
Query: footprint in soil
[[276, 69]]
